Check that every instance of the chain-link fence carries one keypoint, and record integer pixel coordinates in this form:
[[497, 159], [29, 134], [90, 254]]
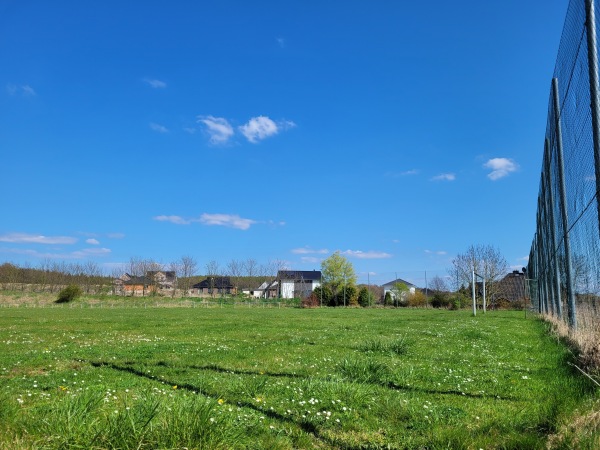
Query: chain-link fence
[[564, 263]]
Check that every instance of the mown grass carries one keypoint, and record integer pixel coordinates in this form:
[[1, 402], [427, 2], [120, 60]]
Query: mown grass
[[284, 378]]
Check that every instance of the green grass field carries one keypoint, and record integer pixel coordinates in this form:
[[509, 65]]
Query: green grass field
[[268, 378]]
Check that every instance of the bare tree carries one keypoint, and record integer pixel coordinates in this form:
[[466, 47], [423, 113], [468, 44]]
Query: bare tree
[[212, 271], [486, 261], [438, 284], [189, 266], [235, 271], [251, 267]]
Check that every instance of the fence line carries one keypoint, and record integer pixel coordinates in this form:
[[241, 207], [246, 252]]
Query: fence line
[[150, 304], [564, 262]]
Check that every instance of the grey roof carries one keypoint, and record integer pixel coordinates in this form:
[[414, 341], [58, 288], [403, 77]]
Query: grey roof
[[299, 275], [398, 280]]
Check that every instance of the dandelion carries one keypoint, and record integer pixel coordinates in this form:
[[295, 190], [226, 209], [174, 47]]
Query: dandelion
[[175, 387]]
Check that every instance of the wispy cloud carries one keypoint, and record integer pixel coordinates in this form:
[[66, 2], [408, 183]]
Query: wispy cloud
[[78, 254], [25, 90], [218, 129], [116, 235], [366, 255], [262, 127], [501, 167], [309, 251], [92, 241], [225, 220], [178, 220], [154, 83], [23, 238], [310, 260], [405, 173], [89, 252], [281, 42], [158, 128], [437, 252], [444, 177]]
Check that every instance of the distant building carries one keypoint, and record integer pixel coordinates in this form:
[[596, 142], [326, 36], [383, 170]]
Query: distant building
[[510, 289], [214, 285], [391, 287], [298, 283]]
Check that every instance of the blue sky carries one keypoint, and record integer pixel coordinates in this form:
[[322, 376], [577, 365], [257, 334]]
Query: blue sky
[[398, 133]]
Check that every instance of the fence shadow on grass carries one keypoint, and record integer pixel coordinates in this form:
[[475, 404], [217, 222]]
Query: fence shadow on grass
[[305, 426]]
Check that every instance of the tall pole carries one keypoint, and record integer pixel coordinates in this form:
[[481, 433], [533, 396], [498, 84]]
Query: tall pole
[[552, 223], [590, 24], [563, 200], [473, 291]]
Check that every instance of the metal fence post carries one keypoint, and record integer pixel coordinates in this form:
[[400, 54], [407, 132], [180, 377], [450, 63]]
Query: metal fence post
[[563, 205], [590, 25], [552, 223]]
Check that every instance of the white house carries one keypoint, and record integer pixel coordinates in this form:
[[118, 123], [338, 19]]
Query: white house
[[390, 287], [298, 283]]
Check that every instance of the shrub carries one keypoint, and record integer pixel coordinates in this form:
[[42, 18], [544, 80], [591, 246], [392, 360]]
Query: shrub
[[68, 294], [312, 301], [457, 302], [388, 300], [440, 300], [417, 299]]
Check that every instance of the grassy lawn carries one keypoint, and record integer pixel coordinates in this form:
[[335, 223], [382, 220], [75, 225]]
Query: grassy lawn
[[268, 378]]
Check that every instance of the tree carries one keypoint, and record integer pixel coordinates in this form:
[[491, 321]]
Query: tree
[[399, 292], [338, 273], [212, 271], [188, 266], [485, 260], [441, 296], [365, 297]]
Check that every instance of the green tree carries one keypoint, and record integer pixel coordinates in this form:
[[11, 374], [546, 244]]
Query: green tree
[[399, 292], [338, 274], [365, 298], [388, 300]]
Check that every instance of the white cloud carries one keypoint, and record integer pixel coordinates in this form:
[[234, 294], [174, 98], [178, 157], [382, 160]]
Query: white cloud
[[444, 177], [116, 235], [158, 128], [281, 42], [218, 128], [309, 251], [259, 128], [156, 84], [227, 220], [92, 241], [262, 127], [178, 220], [366, 255], [23, 238], [501, 167]]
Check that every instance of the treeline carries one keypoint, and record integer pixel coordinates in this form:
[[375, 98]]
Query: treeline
[[52, 276]]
